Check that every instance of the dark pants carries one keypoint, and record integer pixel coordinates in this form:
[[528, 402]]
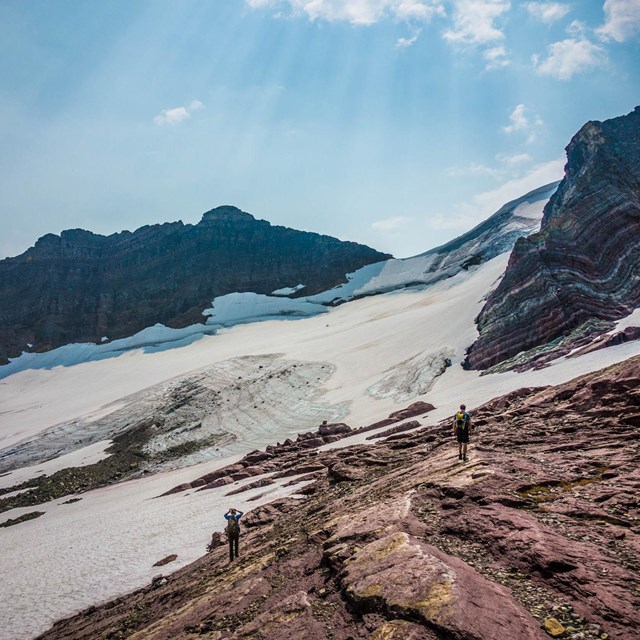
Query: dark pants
[[233, 546]]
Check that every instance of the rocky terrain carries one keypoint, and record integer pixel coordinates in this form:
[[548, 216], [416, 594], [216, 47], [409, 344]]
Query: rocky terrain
[[81, 287], [565, 284], [537, 535]]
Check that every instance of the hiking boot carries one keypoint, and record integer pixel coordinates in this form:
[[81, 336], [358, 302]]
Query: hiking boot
[[464, 459], [459, 456]]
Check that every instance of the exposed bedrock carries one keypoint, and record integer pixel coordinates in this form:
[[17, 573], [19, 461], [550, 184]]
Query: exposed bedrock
[[399, 540], [584, 264], [80, 286]]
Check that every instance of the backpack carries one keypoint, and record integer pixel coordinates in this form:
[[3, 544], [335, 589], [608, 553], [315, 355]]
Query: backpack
[[461, 420], [233, 527]]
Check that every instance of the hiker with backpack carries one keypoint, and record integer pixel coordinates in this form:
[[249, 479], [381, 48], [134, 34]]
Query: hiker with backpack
[[233, 531], [461, 428]]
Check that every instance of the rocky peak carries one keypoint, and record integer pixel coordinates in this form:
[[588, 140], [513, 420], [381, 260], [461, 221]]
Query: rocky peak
[[227, 213], [584, 264]]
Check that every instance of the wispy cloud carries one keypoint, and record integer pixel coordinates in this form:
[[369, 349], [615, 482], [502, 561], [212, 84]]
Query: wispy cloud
[[484, 204], [388, 225], [547, 12], [510, 166], [514, 160], [475, 24], [522, 120], [176, 115], [569, 57], [403, 43], [362, 12], [622, 20], [475, 169]]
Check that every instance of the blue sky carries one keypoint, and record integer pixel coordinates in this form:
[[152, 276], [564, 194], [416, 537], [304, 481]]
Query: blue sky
[[397, 123]]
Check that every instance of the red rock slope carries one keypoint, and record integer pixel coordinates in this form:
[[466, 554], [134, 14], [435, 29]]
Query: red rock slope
[[582, 270], [537, 535]]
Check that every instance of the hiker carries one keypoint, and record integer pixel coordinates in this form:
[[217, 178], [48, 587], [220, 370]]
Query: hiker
[[461, 427], [233, 531]]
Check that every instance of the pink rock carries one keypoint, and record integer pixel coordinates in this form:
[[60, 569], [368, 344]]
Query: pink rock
[[420, 582]]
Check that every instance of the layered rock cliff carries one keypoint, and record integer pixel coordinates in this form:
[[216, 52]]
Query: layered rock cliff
[[584, 264], [79, 286], [536, 536]]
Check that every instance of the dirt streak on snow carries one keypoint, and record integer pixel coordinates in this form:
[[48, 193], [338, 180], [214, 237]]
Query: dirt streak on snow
[[79, 458]]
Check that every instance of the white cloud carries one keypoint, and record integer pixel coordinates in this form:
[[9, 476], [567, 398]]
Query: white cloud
[[474, 25], [568, 57], [177, 114], [389, 224], [171, 116], [514, 160], [521, 122], [547, 12], [474, 21], [511, 165], [415, 10], [403, 43], [475, 169], [577, 28], [363, 12], [518, 119], [486, 203], [622, 20], [496, 57]]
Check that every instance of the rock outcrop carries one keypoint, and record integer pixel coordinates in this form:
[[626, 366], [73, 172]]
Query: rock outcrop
[[584, 264], [537, 535], [80, 287]]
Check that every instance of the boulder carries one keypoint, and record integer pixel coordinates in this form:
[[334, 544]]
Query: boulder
[[334, 429]]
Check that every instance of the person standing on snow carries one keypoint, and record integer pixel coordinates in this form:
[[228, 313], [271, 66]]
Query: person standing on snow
[[461, 428]]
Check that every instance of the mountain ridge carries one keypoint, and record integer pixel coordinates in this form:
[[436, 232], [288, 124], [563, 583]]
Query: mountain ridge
[[80, 286], [581, 271]]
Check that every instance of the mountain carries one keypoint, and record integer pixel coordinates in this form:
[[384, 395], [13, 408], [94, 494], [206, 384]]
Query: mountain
[[81, 287], [566, 284], [491, 238]]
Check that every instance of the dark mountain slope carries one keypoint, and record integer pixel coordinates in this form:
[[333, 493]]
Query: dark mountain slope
[[584, 264], [79, 286]]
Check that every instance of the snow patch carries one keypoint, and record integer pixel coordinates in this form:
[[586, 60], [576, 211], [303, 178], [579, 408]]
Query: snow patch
[[288, 291], [413, 377], [530, 210], [243, 308], [632, 320]]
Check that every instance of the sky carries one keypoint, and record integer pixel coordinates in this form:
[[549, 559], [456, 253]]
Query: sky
[[396, 123]]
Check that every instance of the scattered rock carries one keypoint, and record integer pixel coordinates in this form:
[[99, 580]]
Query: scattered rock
[[166, 560], [23, 518], [553, 627]]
